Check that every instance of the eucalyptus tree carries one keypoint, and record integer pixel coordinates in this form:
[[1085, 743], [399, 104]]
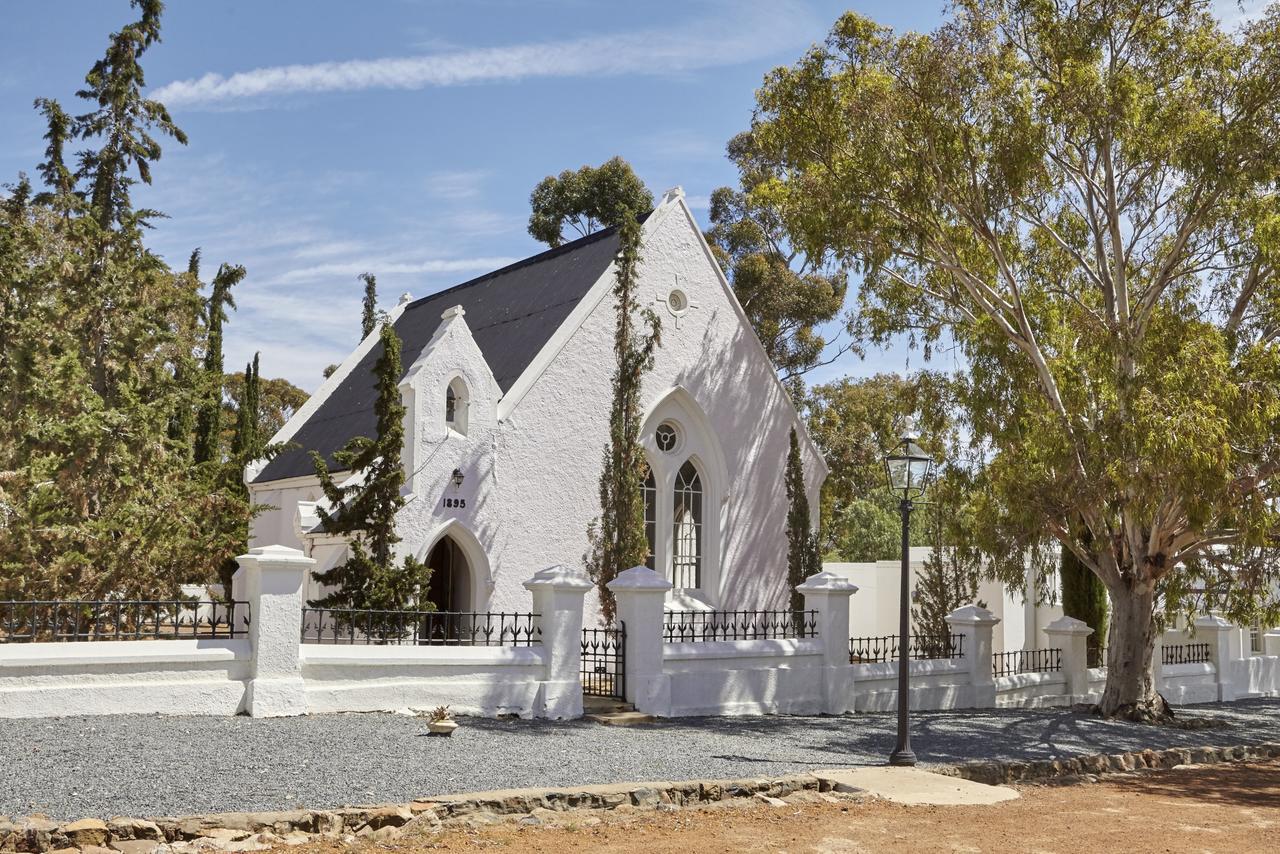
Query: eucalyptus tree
[[586, 200], [787, 294], [1082, 196]]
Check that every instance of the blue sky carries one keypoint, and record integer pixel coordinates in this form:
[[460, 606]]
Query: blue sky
[[403, 137]]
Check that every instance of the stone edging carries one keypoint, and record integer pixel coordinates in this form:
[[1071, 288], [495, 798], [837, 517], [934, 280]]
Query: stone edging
[[996, 773], [257, 831]]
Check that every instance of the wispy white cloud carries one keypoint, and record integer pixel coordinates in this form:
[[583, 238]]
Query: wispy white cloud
[[381, 267], [456, 185], [752, 30]]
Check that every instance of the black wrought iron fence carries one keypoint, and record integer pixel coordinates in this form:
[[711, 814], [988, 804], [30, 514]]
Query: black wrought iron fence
[[49, 621], [873, 650], [1186, 653], [698, 626], [1027, 661], [419, 628], [1096, 656]]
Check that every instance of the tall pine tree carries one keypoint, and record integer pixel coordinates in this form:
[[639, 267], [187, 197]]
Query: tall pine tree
[[209, 419], [364, 509], [803, 559], [617, 538], [98, 499], [369, 308]]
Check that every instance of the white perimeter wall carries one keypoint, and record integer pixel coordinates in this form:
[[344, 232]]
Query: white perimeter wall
[[873, 612], [176, 677]]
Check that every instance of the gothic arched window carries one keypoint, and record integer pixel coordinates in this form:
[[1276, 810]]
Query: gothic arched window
[[686, 564], [650, 517]]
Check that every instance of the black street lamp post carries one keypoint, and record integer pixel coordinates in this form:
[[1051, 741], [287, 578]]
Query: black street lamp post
[[910, 470]]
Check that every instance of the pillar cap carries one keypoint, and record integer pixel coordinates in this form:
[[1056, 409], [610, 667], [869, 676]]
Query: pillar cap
[[827, 581], [559, 577], [1212, 623], [639, 578], [1065, 625], [274, 554], [972, 615]]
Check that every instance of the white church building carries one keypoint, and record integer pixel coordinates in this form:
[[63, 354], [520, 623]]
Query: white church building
[[507, 391]]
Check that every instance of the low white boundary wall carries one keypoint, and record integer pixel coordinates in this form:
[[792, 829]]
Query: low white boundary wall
[[177, 677], [271, 673], [470, 680]]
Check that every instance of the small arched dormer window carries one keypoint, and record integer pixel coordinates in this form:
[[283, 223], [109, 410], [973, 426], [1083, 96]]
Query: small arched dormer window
[[455, 406]]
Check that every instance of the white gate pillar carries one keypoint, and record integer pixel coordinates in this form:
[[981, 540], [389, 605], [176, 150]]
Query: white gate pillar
[[557, 600], [641, 596], [1072, 637], [1224, 649], [272, 579], [976, 625], [828, 594]]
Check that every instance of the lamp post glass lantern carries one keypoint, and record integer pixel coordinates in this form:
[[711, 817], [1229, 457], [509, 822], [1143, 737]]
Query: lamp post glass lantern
[[909, 469]]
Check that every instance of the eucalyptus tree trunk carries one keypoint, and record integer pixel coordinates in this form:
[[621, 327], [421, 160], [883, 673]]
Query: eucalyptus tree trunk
[[1131, 691]]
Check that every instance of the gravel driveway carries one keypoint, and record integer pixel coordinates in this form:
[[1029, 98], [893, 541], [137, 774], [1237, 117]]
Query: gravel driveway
[[139, 766]]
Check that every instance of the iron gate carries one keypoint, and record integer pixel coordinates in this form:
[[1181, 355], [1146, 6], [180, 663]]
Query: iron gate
[[604, 662]]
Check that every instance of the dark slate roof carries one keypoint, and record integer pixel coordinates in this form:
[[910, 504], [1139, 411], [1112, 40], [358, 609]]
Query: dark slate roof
[[511, 312]]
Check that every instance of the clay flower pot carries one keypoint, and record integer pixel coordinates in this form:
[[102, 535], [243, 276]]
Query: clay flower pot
[[442, 728]]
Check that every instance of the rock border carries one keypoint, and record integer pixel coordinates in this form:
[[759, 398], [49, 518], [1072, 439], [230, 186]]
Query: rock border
[[258, 831], [998, 773]]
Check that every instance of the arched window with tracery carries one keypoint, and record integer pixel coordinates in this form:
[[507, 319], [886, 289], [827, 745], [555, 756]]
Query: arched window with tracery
[[686, 565], [650, 516]]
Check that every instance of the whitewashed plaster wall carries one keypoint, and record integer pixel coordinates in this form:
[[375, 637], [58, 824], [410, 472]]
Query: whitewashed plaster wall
[[175, 677], [530, 479], [874, 611]]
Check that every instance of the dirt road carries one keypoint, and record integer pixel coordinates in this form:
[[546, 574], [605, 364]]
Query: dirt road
[[1203, 809]]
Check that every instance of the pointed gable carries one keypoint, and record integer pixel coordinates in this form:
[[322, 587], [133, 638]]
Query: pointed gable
[[512, 313]]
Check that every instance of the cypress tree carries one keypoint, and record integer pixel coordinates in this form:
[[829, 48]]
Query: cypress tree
[[209, 419], [369, 315], [802, 544], [246, 444], [366, 510], [182, 426], [949, 577], [1085, 598], [617, 539]]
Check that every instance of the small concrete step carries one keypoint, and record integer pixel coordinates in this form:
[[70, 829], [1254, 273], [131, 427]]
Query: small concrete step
[[613, 712], [605, 705], [632, 718]]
